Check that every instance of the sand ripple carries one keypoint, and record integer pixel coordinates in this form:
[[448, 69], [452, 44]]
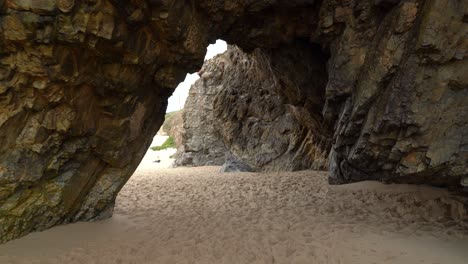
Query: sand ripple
[[196, 215]]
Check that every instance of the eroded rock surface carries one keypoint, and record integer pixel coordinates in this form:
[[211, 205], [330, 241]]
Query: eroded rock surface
[[268, 113], [398, 87], [261, 110], [84, 87], [200, 143]]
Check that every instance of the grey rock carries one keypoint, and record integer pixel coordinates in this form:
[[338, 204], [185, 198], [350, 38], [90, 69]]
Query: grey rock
[[200, 142], [247, 105], [234, 164]]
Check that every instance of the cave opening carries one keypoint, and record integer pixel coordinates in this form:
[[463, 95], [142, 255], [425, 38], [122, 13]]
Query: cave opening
[[168, 139], [252, 111]]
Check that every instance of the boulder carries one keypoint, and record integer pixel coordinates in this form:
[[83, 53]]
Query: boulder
[[233, 164]]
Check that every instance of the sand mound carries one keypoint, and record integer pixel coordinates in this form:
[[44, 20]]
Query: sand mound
[[196, 215]]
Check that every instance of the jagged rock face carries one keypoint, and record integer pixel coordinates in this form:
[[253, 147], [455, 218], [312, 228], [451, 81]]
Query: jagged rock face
[[200, 143], [398, 87], [268, 112], [78, 105], [84, 87], [263, 108]]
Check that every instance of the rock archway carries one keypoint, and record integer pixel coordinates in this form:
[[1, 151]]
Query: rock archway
[[84, 87]]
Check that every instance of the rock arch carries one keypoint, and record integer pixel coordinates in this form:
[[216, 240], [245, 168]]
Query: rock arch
[[84, 85]]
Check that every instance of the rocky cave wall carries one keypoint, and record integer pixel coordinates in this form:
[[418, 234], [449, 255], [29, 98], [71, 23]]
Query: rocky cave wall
[[261, 108], [84, 87], [199, 143], [401, 99]]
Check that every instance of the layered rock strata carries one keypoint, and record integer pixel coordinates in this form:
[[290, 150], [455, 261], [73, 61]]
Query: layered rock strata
[[398, 89], [269, 112]]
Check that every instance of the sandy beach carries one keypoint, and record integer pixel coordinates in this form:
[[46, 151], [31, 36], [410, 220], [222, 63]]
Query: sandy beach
[[197, 215], [164, 156]]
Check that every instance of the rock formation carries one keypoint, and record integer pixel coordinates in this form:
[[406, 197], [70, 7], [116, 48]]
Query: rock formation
[[398, 87], [200, 143], [84, 87], [261, 108], [268, 113]]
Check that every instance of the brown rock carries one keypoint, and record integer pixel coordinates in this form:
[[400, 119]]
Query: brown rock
[[65, 5]]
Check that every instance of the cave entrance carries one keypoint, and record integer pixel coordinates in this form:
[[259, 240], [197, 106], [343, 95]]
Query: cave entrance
[[162, 151], [251, 111]]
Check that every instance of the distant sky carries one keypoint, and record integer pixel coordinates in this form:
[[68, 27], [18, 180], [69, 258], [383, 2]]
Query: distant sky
[[177, 100]]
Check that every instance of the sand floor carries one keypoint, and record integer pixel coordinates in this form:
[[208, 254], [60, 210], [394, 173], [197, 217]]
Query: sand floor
[[197, 215]]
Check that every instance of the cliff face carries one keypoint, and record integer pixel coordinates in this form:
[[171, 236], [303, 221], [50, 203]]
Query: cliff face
[[398, 87], [84, 87], [268, 113], [200, 142]]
